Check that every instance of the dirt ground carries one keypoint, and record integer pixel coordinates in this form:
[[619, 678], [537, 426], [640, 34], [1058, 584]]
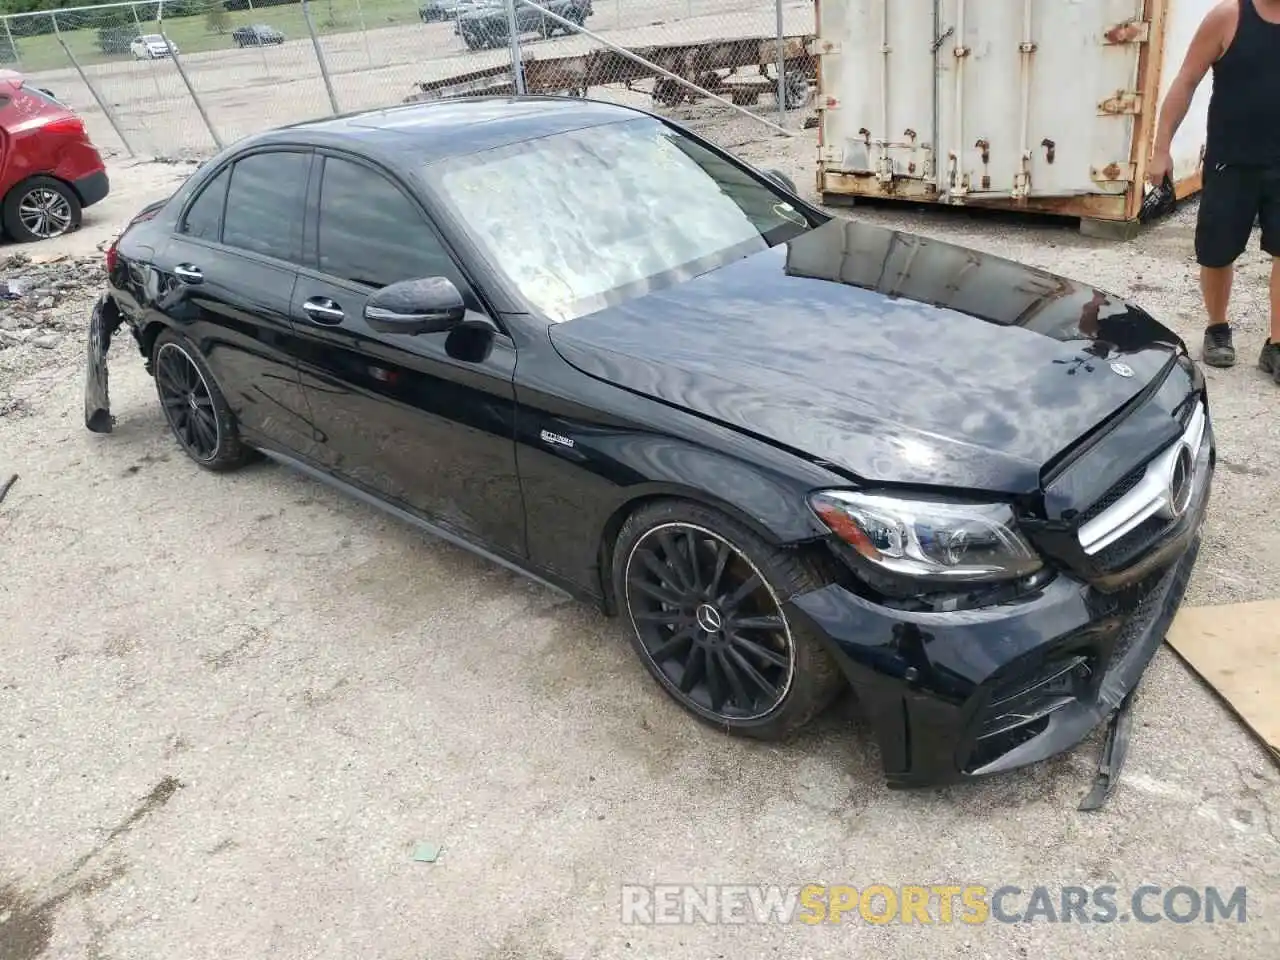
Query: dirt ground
[[232, 706]]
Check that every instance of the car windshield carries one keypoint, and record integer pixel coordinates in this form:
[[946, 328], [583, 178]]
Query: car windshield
[[153, 38], [585, 219]]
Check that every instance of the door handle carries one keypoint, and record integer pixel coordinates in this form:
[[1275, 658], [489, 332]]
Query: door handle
[[323, 310], [188, 273]]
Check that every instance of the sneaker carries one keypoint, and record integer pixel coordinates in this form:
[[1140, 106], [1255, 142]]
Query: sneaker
[[1218, 349], [1269, 360]]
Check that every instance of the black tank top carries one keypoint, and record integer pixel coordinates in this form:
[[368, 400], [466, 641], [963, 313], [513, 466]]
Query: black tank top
[[1244, 110]]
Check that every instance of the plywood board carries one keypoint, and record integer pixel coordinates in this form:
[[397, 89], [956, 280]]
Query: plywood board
[[1235, 648]]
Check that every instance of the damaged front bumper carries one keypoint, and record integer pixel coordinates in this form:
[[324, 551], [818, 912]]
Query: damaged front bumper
[[103, 323], [961, 695]]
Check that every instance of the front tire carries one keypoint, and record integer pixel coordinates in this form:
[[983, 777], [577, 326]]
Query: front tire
[[40, 208], [194, 406], [703, 597]]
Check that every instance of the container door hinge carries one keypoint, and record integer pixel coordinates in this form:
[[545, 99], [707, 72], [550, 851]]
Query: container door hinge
[[1114, 173], [833, 155], [1122, 103], [1131, 31]]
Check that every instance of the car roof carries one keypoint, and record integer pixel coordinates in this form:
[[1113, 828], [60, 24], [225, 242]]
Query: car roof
[[423, 133]]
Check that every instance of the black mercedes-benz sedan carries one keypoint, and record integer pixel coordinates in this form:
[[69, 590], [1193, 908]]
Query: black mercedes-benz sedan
[[794, 453]]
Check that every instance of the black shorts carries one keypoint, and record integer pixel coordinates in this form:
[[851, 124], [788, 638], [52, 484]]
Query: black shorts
[[1231, 200]]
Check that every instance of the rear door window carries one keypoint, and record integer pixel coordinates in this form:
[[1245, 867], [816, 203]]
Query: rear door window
[[204, 217], [265, 204]]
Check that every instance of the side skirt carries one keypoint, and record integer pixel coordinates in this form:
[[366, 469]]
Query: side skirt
[[373, 500]]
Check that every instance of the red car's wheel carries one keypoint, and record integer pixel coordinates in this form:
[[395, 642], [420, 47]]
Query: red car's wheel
[[39, 209]]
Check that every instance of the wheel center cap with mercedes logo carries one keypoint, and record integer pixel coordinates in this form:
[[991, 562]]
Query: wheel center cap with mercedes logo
[[1179, 494], [709, 618]]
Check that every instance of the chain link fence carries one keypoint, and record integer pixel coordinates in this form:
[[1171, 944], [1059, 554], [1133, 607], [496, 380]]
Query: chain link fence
[[178, 79]]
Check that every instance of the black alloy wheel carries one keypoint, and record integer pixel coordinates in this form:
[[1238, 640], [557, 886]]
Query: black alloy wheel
[[187, 402], [703, 598], [194, 407]]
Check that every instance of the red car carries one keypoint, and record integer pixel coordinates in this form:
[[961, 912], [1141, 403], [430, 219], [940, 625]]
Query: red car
[[49, 169]]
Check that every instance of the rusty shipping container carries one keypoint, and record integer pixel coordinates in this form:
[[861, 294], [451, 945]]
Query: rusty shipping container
[[1042, 105]]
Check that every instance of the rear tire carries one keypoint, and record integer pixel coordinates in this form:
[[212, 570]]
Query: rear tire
[[40, 208], [715, 633], [195, 408]]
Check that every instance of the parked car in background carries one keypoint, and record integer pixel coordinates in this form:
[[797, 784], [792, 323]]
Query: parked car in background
[[489, 26], [152, 46], [794, 453], [49, 168], [436, 10], [256, 35]]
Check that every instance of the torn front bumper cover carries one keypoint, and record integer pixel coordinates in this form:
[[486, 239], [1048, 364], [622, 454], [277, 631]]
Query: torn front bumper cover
[[103, 324]]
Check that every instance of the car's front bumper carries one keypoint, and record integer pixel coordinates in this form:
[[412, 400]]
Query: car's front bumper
[[953, 696]]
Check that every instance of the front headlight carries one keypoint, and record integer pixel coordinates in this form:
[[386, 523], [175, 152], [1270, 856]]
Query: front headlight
[[929, 539]]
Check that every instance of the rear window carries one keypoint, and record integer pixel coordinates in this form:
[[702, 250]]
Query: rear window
[[41, 96]]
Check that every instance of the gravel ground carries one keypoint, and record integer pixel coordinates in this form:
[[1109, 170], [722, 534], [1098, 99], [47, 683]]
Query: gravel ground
[[233, 705]]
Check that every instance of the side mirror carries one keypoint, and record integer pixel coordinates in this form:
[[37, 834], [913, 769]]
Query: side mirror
[[432, 305], [782, 180]]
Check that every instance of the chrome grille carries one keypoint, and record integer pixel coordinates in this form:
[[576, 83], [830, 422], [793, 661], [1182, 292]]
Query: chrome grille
[[1144, 505]]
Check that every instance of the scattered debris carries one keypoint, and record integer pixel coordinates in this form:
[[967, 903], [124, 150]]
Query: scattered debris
[[32, 284], [426, 853], [14, 407], [45, 299]]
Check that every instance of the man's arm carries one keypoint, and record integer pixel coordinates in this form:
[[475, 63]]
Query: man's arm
[[1209, 43]]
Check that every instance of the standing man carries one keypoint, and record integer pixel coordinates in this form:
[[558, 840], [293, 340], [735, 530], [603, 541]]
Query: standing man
[[1240, 41]]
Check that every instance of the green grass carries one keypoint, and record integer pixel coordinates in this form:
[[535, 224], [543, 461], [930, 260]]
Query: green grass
[[196, 34]]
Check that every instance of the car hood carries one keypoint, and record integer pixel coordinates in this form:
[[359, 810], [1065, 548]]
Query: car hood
[[887, 356]]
